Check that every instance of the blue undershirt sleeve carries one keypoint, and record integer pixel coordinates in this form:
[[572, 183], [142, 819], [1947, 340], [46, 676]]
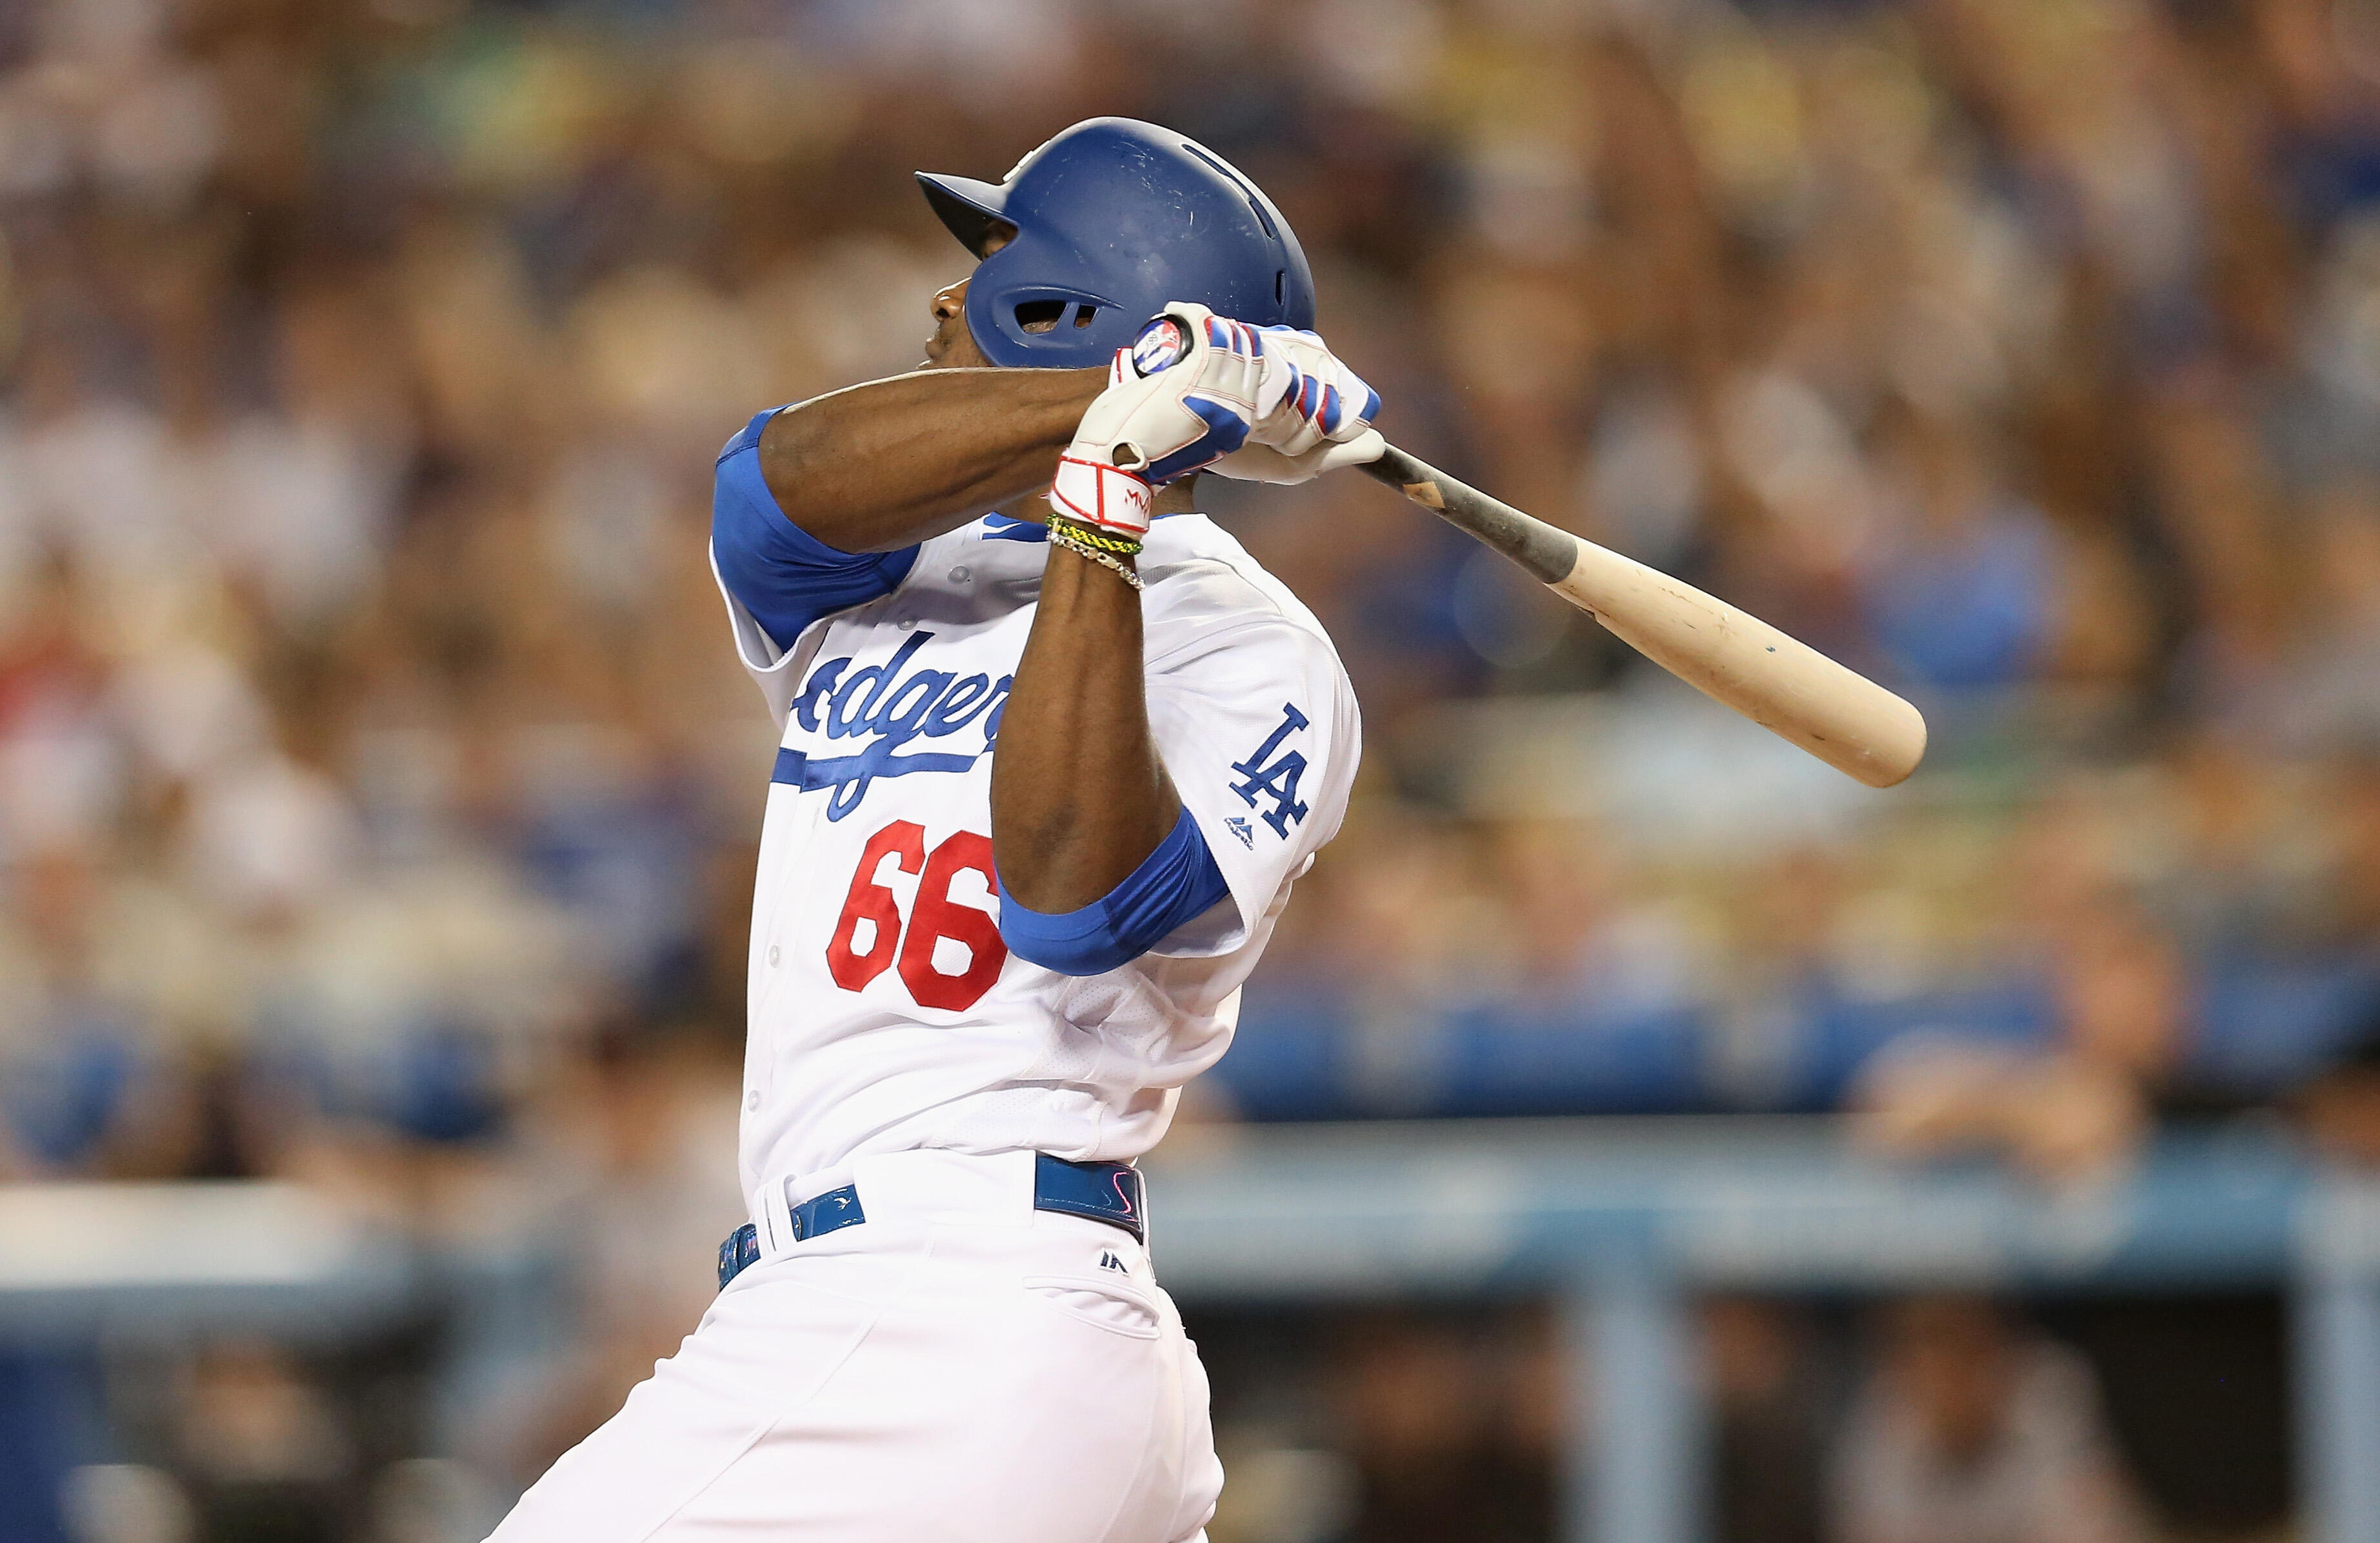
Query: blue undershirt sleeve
[[783, 576], [1174, 884]]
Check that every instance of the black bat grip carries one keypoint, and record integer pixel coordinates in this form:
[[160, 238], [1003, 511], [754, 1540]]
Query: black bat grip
[[1545, 552]]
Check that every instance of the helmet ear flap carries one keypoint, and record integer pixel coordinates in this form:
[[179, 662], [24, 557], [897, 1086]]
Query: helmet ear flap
[[1039, 323], [1047, 316]]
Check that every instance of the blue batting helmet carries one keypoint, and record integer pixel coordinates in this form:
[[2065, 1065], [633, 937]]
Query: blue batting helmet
[[1113, 218]]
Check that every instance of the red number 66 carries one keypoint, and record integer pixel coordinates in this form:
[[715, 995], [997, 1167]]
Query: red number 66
[[935, 916]]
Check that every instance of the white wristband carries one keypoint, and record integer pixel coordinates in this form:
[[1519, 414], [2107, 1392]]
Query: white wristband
[[1098, 493]]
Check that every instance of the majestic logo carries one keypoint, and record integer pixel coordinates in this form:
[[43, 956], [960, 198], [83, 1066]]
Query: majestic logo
[[1276, 779], [1238, 826], [887, 709], [1108, 1260]]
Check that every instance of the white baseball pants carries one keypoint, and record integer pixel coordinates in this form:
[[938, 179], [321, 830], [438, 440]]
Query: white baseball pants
[[958, 1368]]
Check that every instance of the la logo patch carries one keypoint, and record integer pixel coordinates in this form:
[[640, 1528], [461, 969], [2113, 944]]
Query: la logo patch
[[1275, 776]]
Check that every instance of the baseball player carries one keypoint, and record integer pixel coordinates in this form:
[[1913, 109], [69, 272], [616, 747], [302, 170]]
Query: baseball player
[[1047, 775]]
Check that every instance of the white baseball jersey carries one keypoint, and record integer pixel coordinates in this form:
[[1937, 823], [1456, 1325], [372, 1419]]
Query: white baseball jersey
[[886, 1013], [898, 1046]]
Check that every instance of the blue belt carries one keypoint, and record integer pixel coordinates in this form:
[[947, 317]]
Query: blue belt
[[1108, 1192]]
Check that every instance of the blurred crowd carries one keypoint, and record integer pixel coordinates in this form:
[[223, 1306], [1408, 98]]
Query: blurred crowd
[[1930, 1419], [377, 787]]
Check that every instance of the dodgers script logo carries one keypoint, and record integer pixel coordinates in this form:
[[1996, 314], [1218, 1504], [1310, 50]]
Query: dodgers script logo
[[887, 709]]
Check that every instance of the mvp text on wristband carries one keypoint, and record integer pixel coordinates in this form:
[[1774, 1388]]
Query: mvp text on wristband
[[1099, 494]]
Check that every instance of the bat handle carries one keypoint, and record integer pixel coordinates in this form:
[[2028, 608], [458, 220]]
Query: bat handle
[[1545, 552]]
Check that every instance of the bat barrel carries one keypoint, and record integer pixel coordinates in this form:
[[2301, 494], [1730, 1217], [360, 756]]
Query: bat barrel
[[1776, 680]]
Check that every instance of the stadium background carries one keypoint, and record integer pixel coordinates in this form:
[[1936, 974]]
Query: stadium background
[[378, 789]]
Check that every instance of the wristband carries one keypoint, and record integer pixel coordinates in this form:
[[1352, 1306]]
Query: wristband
[[1101, 495]]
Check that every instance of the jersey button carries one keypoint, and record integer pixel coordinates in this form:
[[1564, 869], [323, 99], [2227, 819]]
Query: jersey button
[[752, 1100], [773, 955], [959, 575], [906, 623]]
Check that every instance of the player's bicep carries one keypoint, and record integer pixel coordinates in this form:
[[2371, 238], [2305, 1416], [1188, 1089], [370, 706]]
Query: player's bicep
[[1260, 737]]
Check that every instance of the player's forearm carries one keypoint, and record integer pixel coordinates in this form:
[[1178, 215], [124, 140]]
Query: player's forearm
[[1078, 796], [891, 463]]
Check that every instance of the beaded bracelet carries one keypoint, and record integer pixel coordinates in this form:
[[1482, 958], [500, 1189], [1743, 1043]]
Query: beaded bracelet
[[1066, 536], [1123, 546]]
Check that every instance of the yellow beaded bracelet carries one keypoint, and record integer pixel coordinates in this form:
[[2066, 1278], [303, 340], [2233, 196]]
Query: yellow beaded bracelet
[[1064, 536]]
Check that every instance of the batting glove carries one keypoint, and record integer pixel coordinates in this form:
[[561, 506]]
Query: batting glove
[[1183, 395], [1318, 414]]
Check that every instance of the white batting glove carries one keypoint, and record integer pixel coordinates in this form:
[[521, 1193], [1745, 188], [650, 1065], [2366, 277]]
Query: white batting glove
[[1183, 395], [1318, 414], [1261, 463]]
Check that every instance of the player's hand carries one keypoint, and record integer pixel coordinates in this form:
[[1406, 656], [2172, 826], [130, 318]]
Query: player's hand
[[1318, 414], [1183, 395], [1310, 396]]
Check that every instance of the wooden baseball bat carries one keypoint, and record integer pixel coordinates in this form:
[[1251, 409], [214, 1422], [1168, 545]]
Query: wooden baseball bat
[[1785, 685]]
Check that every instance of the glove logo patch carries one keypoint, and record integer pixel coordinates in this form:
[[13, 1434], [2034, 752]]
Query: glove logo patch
[[1274, 778], [1159, 347]]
